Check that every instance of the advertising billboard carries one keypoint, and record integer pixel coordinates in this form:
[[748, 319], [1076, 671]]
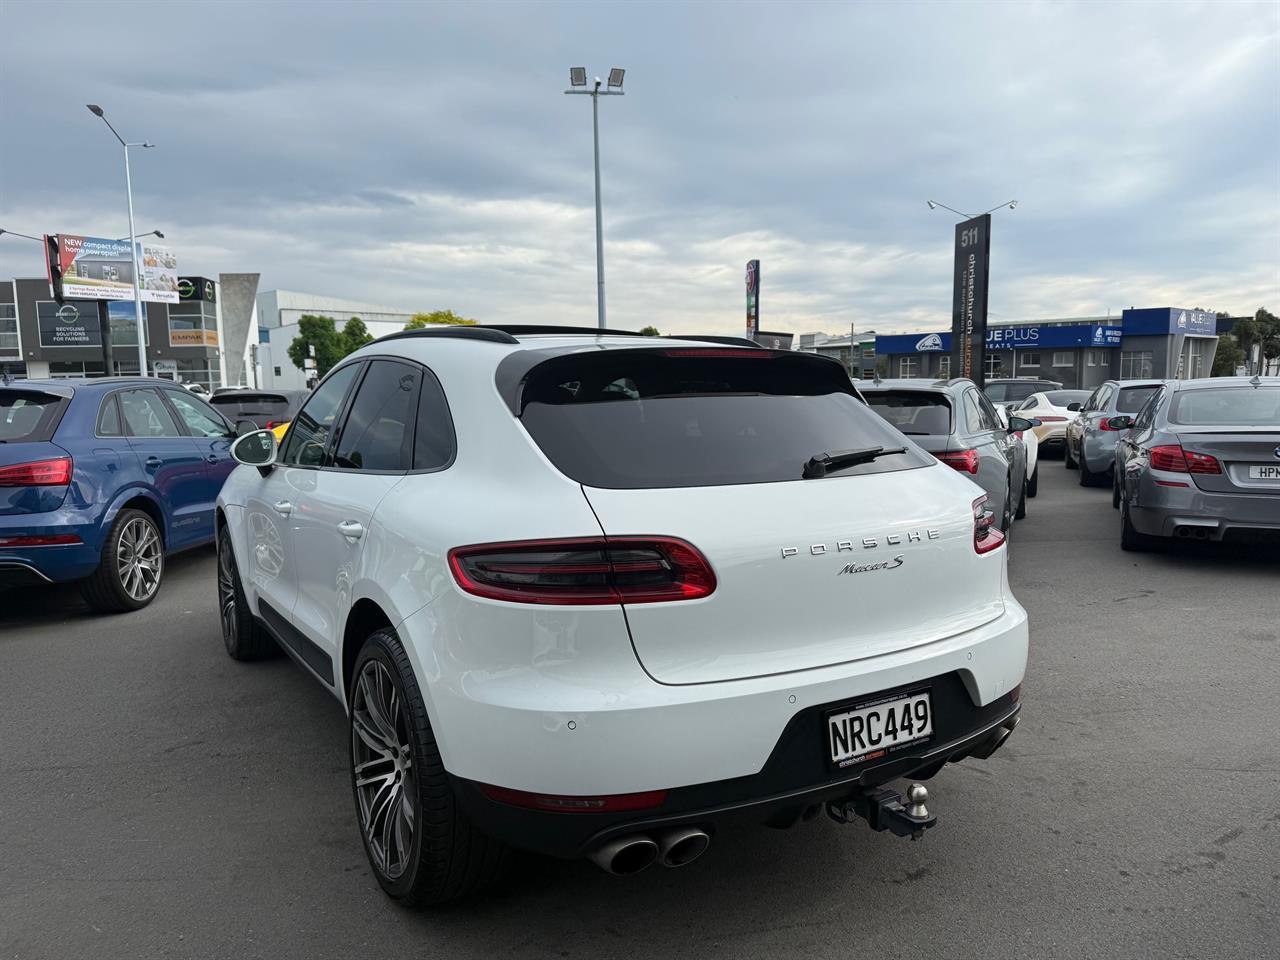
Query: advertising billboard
[[753, 298], [969, 298], [95, 268], [69, 325]]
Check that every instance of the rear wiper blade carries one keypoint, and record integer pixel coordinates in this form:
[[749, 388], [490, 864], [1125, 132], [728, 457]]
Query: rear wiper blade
[[819, 466]]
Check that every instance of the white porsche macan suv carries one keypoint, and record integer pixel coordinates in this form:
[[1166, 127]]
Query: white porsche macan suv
[[591, 594]]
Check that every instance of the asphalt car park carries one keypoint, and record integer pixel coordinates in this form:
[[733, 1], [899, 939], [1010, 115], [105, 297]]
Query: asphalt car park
[[160, 799]]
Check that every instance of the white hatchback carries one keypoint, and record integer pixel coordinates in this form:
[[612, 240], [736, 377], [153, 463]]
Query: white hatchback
[[591, 594]]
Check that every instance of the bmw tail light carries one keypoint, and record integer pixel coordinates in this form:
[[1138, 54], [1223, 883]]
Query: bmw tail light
[[38, 473], [966, 461], [985, 535], [591, 570], [1174, 459]]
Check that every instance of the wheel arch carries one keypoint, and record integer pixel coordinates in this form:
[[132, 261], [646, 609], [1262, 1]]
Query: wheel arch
[[366, 616], [138, 499]]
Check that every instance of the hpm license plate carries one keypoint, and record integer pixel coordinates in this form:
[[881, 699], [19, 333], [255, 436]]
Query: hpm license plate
[[1264, 472], [873, 731]]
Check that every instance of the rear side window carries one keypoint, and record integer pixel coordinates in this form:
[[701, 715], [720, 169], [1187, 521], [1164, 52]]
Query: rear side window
[[914, 412], [1227, 406], [378, 433], [433, 444], [28, 415], [1133, 399], [109, 418], [691, 417]]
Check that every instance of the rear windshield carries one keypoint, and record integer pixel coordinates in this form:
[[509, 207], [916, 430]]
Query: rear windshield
[[1007, 392], [235, 403], [913, 412], [1062, 398], [1133, 399], [1227, 406], [630, 419], [28, 415]]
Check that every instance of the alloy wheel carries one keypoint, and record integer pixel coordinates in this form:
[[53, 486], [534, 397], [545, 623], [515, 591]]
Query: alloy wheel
[[227, 592], [139, 559], [382, 765]]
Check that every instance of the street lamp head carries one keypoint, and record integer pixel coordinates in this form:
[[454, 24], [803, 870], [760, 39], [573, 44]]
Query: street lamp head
[[148, 146], [615, 78], [577, 76], [932, 205], [158, 234], [1013, 204], [95, 109]]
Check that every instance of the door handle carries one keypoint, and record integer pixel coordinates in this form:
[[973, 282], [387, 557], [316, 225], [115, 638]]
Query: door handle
[[351, 529], [153, 463], [282, 507], [211, 458]]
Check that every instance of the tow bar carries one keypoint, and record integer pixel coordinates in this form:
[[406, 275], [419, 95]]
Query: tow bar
[[886, 810]]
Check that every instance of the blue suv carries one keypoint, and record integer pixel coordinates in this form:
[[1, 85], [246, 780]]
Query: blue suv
[[101, 479]]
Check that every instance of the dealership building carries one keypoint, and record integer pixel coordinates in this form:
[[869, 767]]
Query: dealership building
[[1081, 352], [207, 337]]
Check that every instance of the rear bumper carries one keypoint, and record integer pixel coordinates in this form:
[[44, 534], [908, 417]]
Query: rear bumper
[[793, 785], [1192, 513], [48, 564]]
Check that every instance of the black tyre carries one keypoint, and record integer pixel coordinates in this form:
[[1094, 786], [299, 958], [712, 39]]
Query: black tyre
[[421, 847], [1068, 460], [1034, 486], [1130, 538], [131, 567], [1115, 490], [1006, 515], [1087, 477], [243, 636], [1022, 502]]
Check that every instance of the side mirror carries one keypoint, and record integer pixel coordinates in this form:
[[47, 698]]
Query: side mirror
[[1074, 406], [1020, 425], [1120, 423], [256, 449], [1035, 421]]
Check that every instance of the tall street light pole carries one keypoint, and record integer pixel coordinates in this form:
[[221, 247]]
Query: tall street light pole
[[133, 242], [578, 85]]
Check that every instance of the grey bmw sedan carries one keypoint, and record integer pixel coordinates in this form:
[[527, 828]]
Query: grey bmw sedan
[[1201, 461]]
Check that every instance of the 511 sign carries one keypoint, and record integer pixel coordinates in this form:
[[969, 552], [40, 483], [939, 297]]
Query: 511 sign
[[969, 299]]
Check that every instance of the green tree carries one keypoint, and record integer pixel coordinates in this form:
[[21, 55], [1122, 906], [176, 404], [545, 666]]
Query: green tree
[[649, 332], [321, 333], [354, 335], [1227, 358], [420, 320]]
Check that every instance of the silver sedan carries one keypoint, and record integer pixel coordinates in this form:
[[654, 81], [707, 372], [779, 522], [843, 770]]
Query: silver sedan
[[1201, 461]]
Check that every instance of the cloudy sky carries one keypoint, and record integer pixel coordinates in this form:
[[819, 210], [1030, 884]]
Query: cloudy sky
[[423, 155]]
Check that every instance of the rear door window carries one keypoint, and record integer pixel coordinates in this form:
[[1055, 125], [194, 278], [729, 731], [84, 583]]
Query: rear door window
[[28, 415], [689, 417], [145, 414], [378, 432], [1133, 399], [914, 412]]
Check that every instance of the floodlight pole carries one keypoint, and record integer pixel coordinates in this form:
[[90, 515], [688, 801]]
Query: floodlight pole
[[595, 93], [133, 246]]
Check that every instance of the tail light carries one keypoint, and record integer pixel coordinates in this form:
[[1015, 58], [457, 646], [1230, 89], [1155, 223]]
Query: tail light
[[1174, 459], [985, 535], [592, 570], [966, 461], [272, 424], [39, 473]]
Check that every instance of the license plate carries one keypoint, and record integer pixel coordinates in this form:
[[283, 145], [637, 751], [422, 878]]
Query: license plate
[[875, 730], [1264, 472]]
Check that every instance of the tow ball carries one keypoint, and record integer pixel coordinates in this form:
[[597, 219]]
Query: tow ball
[[886, 810]]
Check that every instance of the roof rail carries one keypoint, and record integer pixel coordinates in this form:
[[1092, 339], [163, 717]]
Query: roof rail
[[530, 328], [453, 331]]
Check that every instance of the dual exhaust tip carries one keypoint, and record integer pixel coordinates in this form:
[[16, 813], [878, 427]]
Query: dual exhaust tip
[[631, 854]]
